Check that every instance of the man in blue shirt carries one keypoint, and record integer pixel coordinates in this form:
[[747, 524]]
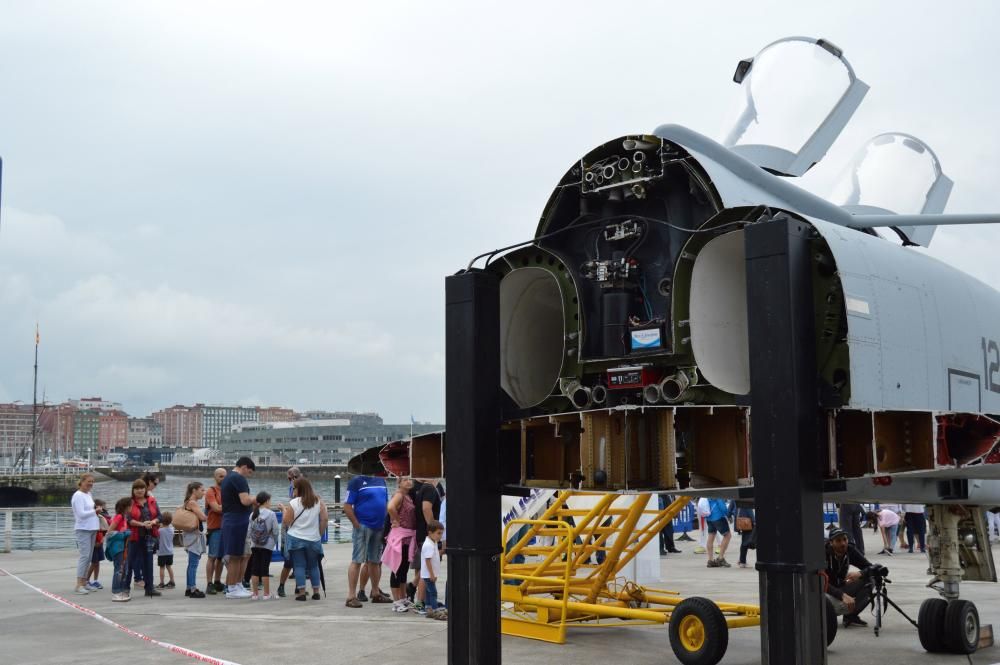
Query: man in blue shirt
[[365, 506], [237, 504], [718, 522]]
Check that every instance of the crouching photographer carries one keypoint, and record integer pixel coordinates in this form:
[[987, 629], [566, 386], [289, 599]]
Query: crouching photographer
[[849, 590]]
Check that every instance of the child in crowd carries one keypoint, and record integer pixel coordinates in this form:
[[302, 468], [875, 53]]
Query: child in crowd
[[262, 533], [95, 561], [165, 558], [430, 567], [117, 535]]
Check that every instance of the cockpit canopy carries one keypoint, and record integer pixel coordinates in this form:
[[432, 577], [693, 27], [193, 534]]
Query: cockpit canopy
[[895, 173], [797, 94]]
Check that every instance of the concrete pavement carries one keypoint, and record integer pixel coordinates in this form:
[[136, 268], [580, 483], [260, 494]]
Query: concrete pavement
[[36, 629]]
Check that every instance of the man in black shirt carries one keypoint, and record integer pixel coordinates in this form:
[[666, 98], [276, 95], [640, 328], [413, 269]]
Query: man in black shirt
[[237, 504], [427, 501], [847, 589]]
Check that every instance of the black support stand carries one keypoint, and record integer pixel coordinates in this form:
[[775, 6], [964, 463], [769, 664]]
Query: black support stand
[[472, 414], [784, 426]]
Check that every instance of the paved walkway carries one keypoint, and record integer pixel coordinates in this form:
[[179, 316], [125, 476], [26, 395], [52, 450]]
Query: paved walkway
[[37, 629]]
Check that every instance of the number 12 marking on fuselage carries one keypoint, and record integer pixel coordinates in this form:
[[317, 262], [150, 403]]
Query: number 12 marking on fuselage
[[991, 365]]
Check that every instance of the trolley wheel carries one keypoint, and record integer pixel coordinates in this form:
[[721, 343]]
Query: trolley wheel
[[930, 624], [831, 621], [699, 634], [961, 627]]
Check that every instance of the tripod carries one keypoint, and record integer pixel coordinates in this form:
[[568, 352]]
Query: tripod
[[879, 585]]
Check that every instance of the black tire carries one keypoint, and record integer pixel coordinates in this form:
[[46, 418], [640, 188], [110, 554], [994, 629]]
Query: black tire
[[698, 614], [830, 621], [961, 627], [930, 624]]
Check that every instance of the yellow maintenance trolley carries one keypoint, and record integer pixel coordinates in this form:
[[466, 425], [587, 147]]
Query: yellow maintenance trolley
[[562, 570]]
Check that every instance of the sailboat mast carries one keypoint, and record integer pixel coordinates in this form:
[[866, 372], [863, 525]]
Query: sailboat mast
[[34, 405]]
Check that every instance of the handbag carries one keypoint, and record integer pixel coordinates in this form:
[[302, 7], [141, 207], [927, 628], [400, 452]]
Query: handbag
[[744, 523], [185, 520]]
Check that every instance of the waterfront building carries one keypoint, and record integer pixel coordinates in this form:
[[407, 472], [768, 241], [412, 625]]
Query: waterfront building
[[112, 431], [367, 418], [275, 414], [144, 433], [55, 422], [182, 426], [86, 432], [332, 441], [200, 426], [95, 404], [15, 431], [218, 420]]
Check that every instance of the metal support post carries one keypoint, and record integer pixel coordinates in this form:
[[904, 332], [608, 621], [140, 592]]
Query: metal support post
[[784, 426], [8, 530], [472, 414]]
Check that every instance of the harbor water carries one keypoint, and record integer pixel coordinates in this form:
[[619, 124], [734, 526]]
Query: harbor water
[[53, 529]]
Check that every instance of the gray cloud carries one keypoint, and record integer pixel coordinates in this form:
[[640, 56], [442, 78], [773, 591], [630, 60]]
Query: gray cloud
[[240, 201]]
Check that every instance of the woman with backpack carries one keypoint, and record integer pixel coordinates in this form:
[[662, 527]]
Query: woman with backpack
[[263, 533], [144, 522], [307, 518], [115, 543], [194, 540]]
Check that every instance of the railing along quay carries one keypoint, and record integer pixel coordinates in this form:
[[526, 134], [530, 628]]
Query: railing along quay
[[51, 529]]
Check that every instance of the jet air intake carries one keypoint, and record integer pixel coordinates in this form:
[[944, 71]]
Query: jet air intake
[[531, 335]]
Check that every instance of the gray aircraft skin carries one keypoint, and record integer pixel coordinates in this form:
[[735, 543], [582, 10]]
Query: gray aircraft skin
[[624, 347], [623, 322]]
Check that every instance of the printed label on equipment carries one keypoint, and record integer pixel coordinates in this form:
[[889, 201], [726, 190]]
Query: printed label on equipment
[[646, 339]]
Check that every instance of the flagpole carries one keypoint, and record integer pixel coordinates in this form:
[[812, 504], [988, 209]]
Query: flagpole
[[34, 404]]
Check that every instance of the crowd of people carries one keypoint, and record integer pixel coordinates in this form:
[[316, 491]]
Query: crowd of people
[[238, 532]]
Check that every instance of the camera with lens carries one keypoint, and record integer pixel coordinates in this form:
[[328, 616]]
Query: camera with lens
[[877, 571]]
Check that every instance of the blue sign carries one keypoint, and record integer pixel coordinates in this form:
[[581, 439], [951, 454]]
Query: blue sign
[[686, 519]]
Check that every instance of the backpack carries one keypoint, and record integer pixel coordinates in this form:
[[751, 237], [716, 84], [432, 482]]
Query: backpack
[[260, 532]]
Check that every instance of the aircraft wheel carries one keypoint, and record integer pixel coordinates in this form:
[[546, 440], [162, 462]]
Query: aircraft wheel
[[831, 622], [699, 634], [961, 627], [930, 624]]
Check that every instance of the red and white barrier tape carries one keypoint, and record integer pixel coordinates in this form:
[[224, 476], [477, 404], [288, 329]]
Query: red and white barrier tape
[[146, 638]]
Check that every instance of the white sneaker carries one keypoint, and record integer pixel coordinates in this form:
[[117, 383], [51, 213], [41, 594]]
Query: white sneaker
[[119, 598], [81, 591], [238, 592]]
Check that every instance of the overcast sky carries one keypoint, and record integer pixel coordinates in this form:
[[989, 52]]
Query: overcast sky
[[257, 203]]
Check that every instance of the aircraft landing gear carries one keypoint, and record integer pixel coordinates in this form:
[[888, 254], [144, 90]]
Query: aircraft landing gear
[[948, 627]]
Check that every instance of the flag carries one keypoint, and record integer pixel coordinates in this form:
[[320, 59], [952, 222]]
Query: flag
[[37, 337], [412, 421]]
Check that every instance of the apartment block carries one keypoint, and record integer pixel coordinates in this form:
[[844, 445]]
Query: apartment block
[[86, 432], [182, 426], [95, 404], [56, 425], [219, 420], [276, 414], [369, 418], [15, 431], [144, 433], [112, 430]]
